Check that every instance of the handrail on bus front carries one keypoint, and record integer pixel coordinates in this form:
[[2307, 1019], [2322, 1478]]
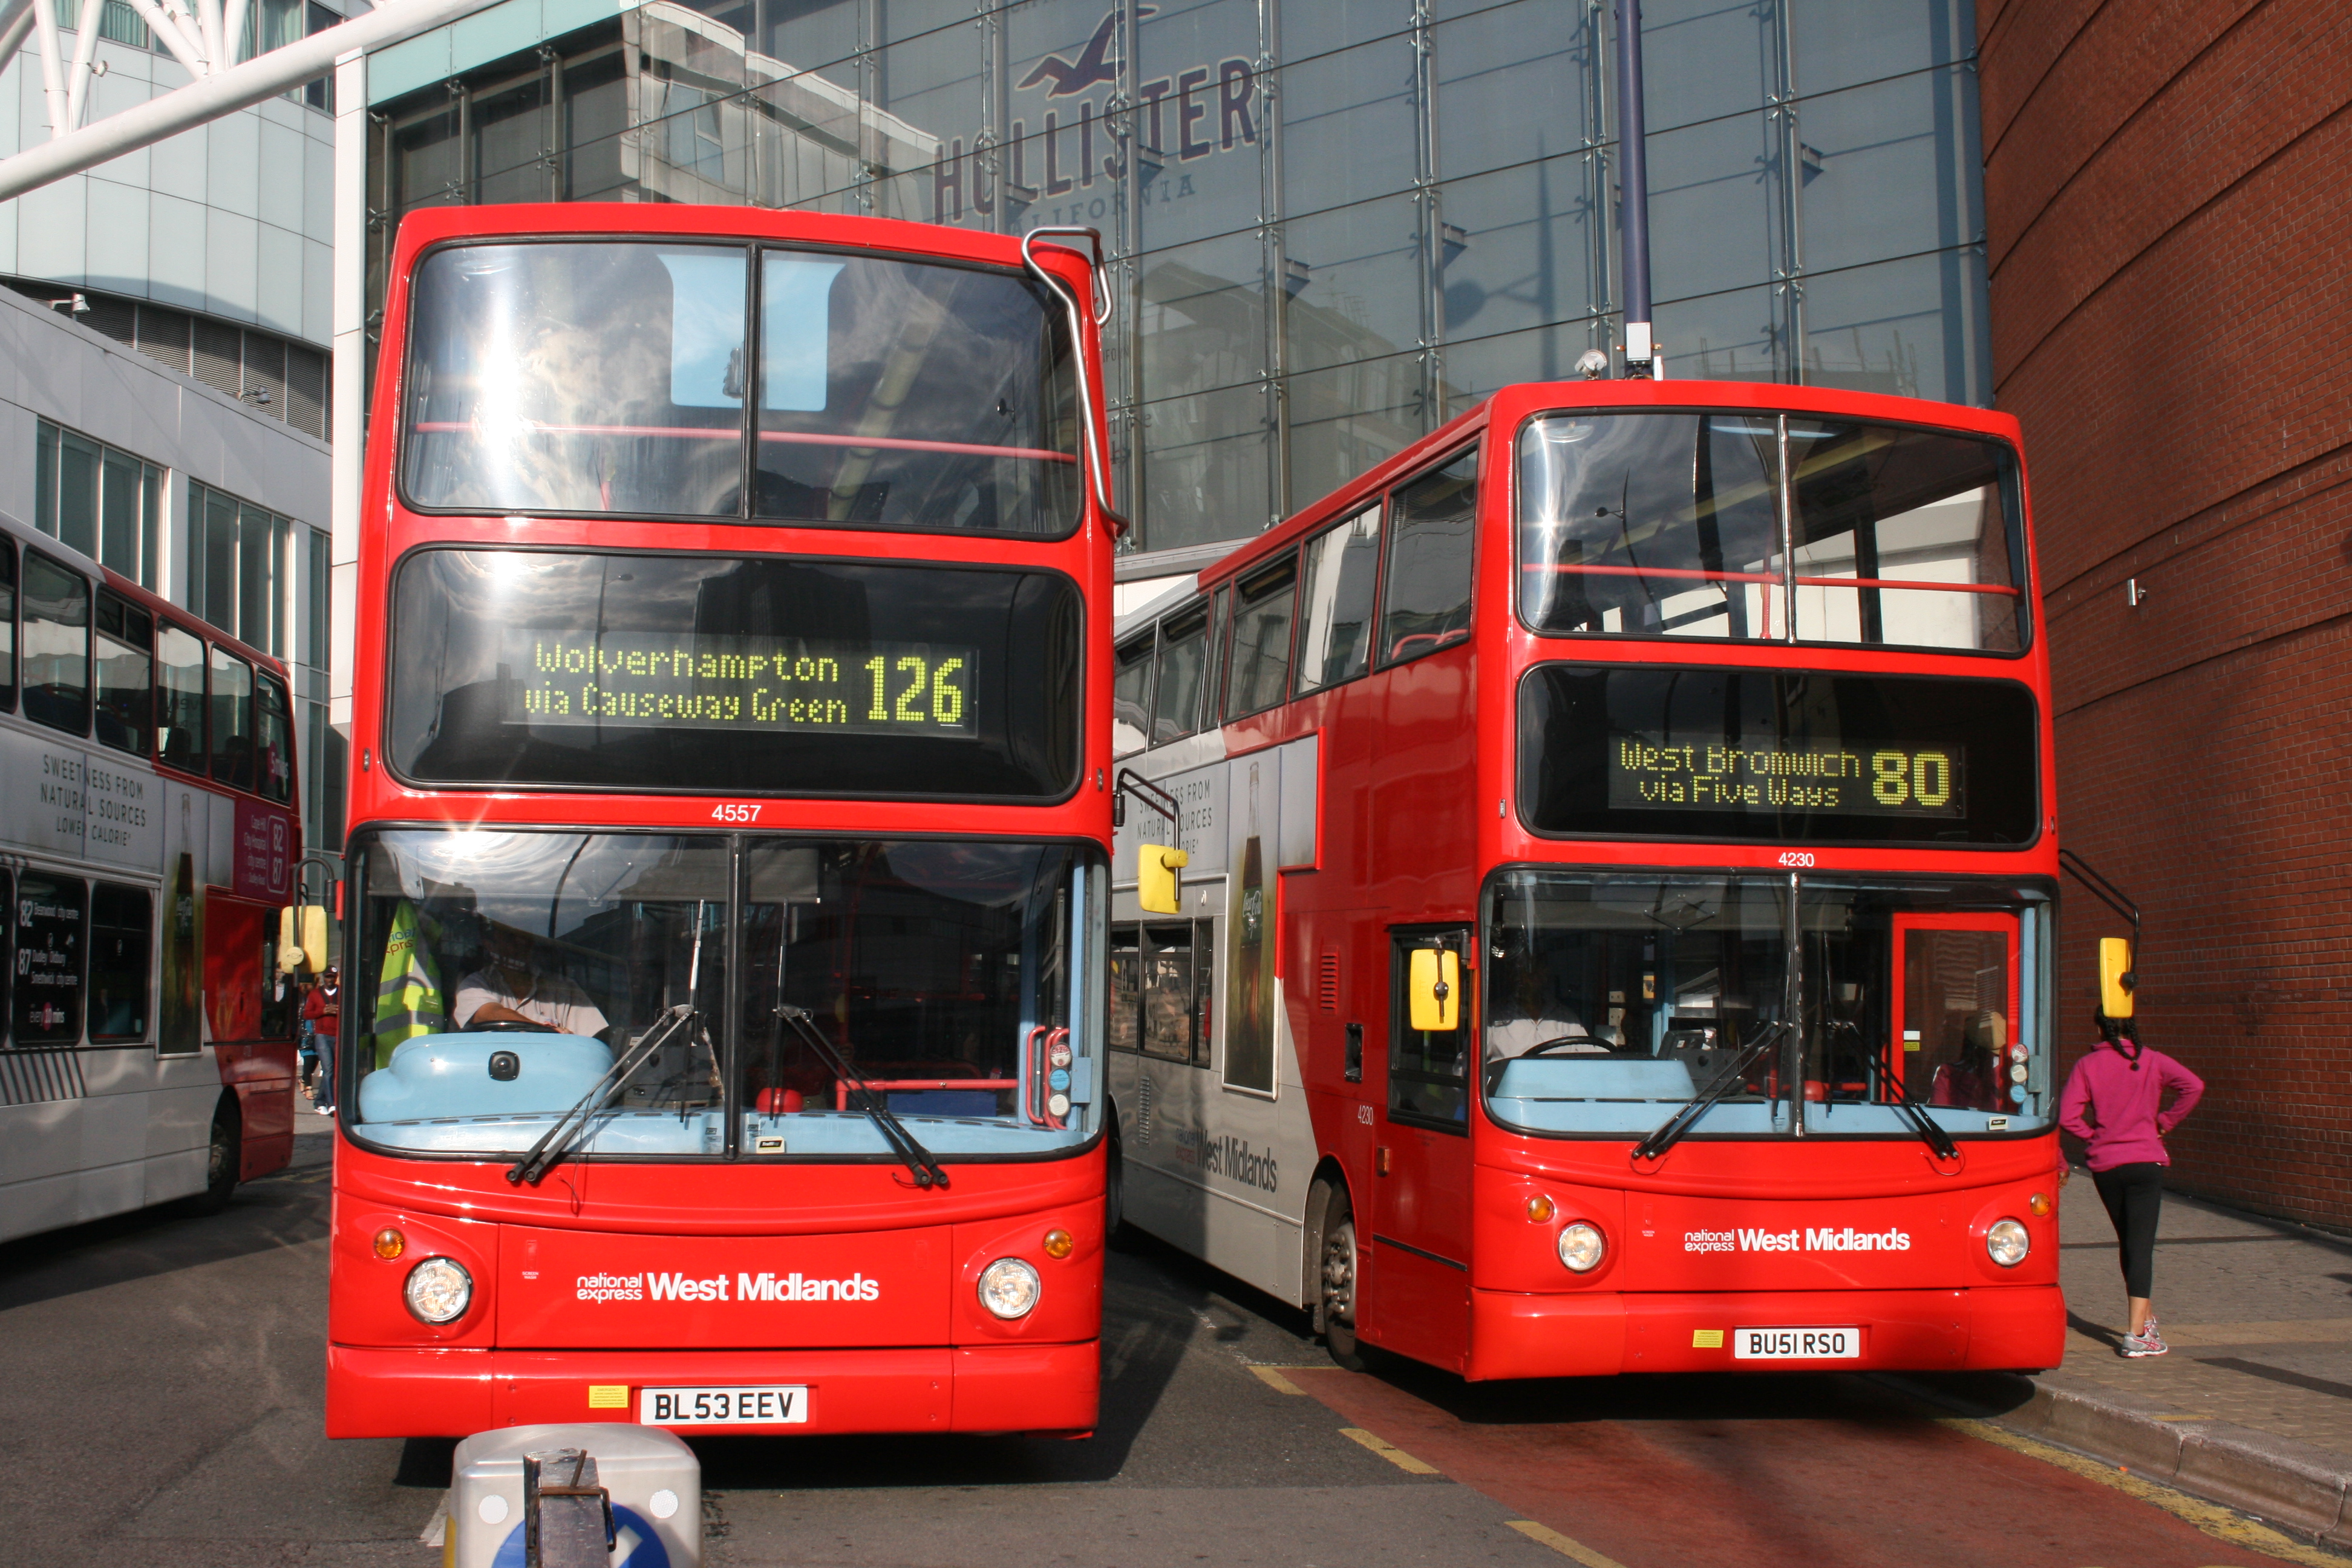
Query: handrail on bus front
[[1097, 464]]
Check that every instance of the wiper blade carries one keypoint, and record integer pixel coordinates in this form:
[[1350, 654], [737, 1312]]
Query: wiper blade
[[904, 1144], [1670, 1133], [556, 1140], [1929, 1130]]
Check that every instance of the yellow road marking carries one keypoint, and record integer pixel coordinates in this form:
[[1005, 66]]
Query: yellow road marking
[[1399, 1457], [1276, 1381], [1574, 1551], [2215, 1521]]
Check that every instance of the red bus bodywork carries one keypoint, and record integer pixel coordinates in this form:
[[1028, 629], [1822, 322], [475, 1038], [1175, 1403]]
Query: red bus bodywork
[[535, 1347], [1415, 795]]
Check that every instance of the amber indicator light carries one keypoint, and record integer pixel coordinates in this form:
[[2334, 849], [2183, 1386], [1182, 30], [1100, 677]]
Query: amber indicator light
[[2039, 1203], [1539, 1208], [1058, 1244], [390, 1244]]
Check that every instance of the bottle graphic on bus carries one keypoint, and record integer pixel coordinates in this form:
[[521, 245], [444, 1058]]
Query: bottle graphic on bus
[[1249, 1035]]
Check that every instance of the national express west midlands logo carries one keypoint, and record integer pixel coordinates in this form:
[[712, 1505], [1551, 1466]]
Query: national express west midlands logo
[[1049, 176], [1844, 1238], [762, 1287]]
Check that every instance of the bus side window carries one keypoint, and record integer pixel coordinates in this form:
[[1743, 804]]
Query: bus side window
[[1213, 685], [1334, 642], [7, 946], [275, 740], [180, 693], [232, 719], [126, 647], [121, 922], [49, 951], [1131, 701], [1258, 672], [56, 645], [8, 625], [1426, 605], [1183, 652], [1126, 987]]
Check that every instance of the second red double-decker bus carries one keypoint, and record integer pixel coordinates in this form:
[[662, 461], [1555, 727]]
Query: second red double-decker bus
[[1617, 927], [728, 866]]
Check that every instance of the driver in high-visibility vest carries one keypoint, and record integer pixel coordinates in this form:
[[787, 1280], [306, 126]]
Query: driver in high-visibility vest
[[508, 990], [408, 992]]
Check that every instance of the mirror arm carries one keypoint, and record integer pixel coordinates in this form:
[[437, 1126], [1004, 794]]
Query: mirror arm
[[1129, 782], [2114, 898]]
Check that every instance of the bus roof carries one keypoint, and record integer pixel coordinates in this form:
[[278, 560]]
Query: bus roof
[[146, 599]]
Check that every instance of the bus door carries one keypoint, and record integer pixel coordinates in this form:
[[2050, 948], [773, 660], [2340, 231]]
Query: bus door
[[1417, 1289], [1954, 995]]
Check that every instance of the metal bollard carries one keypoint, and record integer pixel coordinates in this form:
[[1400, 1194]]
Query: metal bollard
[[539, 1497]]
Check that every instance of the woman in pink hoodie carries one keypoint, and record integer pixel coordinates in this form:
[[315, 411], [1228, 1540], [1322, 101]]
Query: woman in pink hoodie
[[2115, 1101]]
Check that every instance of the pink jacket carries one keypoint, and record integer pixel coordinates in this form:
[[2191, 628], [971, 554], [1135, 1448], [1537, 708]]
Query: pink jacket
[[2115, 1102]]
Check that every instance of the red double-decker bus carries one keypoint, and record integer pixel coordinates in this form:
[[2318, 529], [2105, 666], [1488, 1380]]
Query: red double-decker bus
[[728, 849], [1617, 921]]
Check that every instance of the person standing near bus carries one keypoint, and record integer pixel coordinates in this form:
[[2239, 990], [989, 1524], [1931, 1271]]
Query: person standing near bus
[[2116, 1102], [322, 1014]]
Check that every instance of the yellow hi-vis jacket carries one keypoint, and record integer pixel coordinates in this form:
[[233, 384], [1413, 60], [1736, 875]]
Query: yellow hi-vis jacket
[[408, 1000]]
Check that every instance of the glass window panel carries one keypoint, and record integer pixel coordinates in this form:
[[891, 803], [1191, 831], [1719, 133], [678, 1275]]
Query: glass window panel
[[8, 625], [1170, 1014], [524, 396], [1204, 316], [1355, 281], [1429, 1069], [1735, 336], [1916, 327], [1126, 989], [1838, 43], [256, 579], [1183, 660], [1888, 504], [180, 693], [1345, 419], [46, 440], [151, 524], [1714, 223], [316, 641], [1704, 59], [1130, 712], [56, 645], [120, 512], [1651, 524], [1515, 83], [1426, 604], [1199, 114], [1530, 248], [121, 922], [1342, 568], [1348, 121], [506, 119], [960, 377], [232, 715], [79, 459], [51, 954], [214, 593], [1889, 170], [125, 646], [274, 740], [1205, 472], [1259, 675]]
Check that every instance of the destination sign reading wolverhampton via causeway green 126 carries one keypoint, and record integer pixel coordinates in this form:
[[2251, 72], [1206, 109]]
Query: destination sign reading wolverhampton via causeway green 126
[[1646, 772], [559, 677]]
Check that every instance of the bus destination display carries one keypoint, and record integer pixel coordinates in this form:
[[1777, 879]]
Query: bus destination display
[[559, 677], [1652, 771]]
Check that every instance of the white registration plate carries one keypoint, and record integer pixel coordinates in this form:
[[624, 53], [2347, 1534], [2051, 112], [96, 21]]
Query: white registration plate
[[766, 1406], [1796, 1344]]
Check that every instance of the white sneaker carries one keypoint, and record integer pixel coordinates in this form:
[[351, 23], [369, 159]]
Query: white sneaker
[[326, 1110]]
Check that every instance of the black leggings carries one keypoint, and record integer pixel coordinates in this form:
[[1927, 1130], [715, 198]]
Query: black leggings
[[2134, 1196]]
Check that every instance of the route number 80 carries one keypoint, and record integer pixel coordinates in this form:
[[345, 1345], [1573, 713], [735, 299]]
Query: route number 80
[[1898, 778]]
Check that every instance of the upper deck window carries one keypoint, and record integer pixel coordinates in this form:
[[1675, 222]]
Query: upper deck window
[[56, 645], [1130, 696], [1260, 676], [611, 377], [1747, 526], [1183, 660], [771, 675]]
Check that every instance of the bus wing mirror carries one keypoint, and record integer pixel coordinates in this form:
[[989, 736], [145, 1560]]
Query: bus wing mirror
[[1156, 884], [2117, 981], [1434, 988]]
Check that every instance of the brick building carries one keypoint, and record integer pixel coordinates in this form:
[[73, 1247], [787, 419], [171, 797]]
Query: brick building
[[2171, 312]]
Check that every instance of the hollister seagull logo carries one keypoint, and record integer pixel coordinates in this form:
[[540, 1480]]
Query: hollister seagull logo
[[1094, 64]]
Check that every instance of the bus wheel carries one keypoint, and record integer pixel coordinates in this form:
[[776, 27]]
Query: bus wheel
[[1115, 1235], [1339, 1277], [220, 1161]]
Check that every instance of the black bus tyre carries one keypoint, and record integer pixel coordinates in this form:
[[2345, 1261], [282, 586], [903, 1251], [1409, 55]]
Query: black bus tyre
[[1339, 1275], [222, 1157], [1115, 1235]]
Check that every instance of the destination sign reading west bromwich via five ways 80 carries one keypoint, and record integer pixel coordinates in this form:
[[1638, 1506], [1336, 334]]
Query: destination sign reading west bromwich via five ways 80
[[706, 682], [1655, 771]]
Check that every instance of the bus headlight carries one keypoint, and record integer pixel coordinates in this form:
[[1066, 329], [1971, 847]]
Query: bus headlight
[[439, 1291], [1010, 1287], [1581, 1247], [2007, 1241]]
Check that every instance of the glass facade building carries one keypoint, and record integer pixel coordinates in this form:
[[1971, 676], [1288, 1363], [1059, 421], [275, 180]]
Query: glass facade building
[[1335, 223]]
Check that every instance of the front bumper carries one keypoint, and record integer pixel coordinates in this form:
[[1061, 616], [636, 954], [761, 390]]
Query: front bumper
[[433, 1392], [1600, 1333]]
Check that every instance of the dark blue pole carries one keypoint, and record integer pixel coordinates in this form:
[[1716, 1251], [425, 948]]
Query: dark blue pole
[[1632, 188]]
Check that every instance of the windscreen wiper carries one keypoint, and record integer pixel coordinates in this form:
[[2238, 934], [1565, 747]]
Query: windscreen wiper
[[1670, 1132], [1930, 1130], [904, 1144], [556, 1140]]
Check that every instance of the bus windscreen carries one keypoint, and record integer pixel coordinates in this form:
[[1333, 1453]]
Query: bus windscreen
[[1770, 756], [720, 674], [703, 380]]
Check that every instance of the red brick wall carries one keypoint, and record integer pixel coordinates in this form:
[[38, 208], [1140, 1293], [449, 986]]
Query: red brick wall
[[2168, 216]]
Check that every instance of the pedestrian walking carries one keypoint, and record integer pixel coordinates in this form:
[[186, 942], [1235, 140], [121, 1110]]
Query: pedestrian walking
[[322, 1011], [2116, 1102], [306, 1061]]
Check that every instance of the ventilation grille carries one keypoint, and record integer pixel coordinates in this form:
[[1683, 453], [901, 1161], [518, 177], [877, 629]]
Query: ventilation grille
[[265, 375], [218, 356], [1143, 1111], [163, 337], [118, 319], [1326, 982], [306, 391]]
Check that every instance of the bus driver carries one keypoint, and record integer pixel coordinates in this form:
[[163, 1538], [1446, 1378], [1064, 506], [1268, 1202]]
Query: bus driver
[[508, 990]]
